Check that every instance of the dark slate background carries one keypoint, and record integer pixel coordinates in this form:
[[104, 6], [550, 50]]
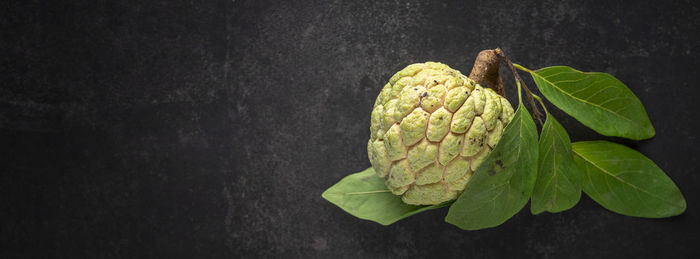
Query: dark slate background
[[210, 129]]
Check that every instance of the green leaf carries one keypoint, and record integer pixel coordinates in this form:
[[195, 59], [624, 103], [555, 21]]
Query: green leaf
[[558, 186], [364, 195], [624, 181], [503, 183], [598, 100]]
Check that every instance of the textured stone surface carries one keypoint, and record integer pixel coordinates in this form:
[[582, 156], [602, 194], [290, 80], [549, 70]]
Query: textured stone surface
[[209, 129]]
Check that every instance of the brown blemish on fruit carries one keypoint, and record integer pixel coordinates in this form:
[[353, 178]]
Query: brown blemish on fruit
[[492, 172]]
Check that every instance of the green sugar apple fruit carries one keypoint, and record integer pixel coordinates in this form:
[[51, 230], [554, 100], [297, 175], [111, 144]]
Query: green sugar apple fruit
[[430, 129]]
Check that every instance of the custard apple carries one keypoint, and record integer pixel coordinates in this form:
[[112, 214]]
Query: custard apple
[[430, 129]]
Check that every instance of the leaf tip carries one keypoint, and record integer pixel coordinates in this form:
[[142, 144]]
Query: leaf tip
[[651, 132], [325, 195], [683, 205]]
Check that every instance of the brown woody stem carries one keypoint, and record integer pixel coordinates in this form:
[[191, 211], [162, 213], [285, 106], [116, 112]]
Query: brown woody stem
[[486, 68], [533, 106]]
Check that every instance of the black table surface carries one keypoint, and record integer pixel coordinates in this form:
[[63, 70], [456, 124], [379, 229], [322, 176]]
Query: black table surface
[[210, 128]]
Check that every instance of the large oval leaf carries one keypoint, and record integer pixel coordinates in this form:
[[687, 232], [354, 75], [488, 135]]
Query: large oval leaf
[[503, 183], [598, 100], [624, 181], [364, 195], [558, 186]]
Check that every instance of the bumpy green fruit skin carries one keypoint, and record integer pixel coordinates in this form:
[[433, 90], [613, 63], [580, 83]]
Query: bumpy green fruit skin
[[430, 129]]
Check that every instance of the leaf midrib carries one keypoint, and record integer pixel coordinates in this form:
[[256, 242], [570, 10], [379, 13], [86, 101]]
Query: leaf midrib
[[359, 193], [582, 100], [625, 182], [554, 165]]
